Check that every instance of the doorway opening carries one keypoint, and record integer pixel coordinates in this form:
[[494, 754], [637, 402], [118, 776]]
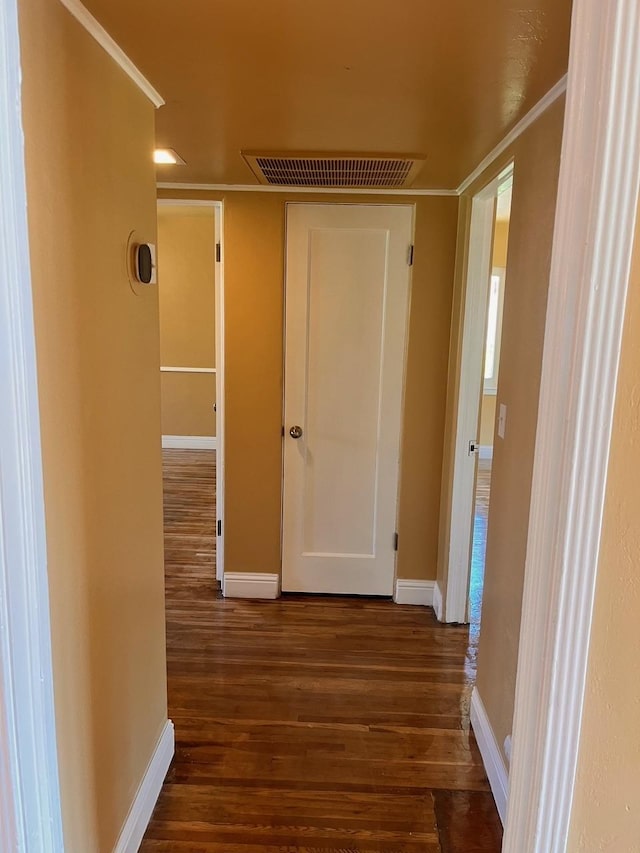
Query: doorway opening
[[479, 365], [488, 405], [191, 302]]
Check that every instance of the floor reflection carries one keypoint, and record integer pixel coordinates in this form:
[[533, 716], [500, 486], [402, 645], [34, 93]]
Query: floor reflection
[[481, 514]]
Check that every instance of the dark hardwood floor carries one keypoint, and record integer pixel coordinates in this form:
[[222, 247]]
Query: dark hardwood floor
[[309, 723]]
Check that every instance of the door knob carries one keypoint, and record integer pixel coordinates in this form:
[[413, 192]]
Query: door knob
[[295, 432]]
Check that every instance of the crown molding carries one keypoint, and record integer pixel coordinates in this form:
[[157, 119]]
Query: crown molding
[[526, 121], [98, 32], [262, 188]]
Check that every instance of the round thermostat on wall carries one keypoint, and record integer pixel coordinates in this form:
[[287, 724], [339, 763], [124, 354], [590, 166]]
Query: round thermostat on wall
[[145, 263]]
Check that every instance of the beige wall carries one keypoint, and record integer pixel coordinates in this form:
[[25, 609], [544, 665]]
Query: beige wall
[[500, 243], [537, 165], [537, 158], [187, 403], [254, 281], [606, 811], [89, 133], [487, 419], [186, 284]]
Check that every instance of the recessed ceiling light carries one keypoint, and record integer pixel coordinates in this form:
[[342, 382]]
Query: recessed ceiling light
[[167, 157]]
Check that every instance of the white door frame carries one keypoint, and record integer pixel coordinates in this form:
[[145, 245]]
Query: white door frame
[[593, 243], [30, 814], [220, 398], [218, 207], [478, 272]]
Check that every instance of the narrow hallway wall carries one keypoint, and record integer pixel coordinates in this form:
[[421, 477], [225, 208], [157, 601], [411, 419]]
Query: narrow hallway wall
[[536, 155], [89, 133]]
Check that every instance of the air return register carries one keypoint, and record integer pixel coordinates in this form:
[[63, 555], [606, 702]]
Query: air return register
[[334, 170]]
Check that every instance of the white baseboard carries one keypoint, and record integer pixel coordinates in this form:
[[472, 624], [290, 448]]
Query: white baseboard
[[414, 592], [437, 601], [250, 585], [147, 795], [491, 756], [189, 442], [485, 451]]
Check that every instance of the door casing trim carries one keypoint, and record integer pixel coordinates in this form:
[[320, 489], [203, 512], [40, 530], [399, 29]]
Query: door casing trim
[[30, 810]]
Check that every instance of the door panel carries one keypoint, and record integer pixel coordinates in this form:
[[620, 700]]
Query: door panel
[[346, 312]]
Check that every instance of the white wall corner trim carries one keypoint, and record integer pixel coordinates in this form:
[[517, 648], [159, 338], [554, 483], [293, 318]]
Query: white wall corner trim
[[485, 452], [169, 369], [250, 585], [147, 794], [590, 267], [437, 601], [526, 121], [189, 442], [267, 188], [414, 592], [186, 202], [30, 814], [492, 758], [98, 32]]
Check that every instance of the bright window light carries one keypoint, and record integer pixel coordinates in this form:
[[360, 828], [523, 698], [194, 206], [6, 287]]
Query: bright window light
[[167, 157], [494, 330]]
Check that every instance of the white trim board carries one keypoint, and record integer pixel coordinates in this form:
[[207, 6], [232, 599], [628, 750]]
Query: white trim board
[[492, 759], [187, 369], [437, 601], [98, 32], [591, 259], [525, 122], [30, 814], [147, 794], [414, 592], [220, 386], [189, 442], [267, 188], [251, 585], [186, 202]]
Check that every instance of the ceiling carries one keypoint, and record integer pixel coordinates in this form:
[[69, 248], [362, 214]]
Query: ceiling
[[446, 79]]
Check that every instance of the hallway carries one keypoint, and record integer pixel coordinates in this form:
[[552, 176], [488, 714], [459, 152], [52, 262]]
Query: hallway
[[309, 723]]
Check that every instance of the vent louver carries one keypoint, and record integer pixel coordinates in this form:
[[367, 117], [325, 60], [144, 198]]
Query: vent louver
[[334, 170]]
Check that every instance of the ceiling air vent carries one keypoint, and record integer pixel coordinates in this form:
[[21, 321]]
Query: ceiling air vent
[[334, 170]]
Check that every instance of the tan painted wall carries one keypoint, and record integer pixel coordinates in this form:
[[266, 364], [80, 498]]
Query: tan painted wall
[[500, 243], [537, 158], [487, 419], [534, 198], [186, 284], [90, 181], [606, 809], [254, 279], [187, 403]]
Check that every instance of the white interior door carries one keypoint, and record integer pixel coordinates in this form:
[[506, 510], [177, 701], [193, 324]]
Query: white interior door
[[347, 292]]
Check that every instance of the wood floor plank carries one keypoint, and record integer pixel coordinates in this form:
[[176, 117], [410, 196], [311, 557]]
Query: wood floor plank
[[309, 723]]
